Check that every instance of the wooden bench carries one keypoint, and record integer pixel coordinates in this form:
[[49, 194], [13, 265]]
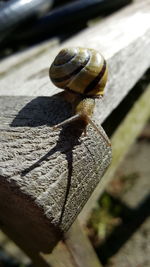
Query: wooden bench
[[46, 177]]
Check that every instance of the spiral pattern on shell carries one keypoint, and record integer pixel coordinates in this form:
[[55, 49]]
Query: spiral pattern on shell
[[80, 70]]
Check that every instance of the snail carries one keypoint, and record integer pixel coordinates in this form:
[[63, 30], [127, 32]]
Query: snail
[[82, 72]]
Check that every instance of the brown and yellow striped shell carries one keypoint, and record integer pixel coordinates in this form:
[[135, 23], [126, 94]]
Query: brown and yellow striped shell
[[80, 70]]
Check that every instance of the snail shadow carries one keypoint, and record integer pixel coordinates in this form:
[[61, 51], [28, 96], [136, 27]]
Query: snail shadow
[[49, 111], [42, 111]]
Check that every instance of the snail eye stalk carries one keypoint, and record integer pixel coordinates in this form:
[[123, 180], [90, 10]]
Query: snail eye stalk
[[72, 70]]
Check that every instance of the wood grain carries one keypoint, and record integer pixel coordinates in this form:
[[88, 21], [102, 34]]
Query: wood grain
[[122, 141], [47, 176], [53, 173], [123, 38]]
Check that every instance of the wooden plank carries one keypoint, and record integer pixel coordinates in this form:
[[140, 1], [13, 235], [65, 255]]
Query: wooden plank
[[74, 251], [122, 140], [15, 61], [47, 177], [127, 131], [116, 37], [80, 247], [60, 256]]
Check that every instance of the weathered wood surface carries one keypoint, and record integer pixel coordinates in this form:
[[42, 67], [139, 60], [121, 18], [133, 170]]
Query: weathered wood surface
[[17, 60], [80, 247], [74, 251], [48, 176], [123, 38], [121, 141]]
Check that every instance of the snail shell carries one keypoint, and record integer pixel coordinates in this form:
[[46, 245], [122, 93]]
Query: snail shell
[[80, 70]]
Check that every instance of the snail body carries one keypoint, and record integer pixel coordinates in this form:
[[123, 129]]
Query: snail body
[[82, 72]]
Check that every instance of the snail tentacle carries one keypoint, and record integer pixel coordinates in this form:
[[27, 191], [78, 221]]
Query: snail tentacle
[[73, 118], [83, 73]]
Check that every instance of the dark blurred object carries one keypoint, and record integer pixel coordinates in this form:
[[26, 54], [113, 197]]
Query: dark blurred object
[[58, 3], [73, 15], [13, 12], [62, 21], [1, 4], [7, 261]]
